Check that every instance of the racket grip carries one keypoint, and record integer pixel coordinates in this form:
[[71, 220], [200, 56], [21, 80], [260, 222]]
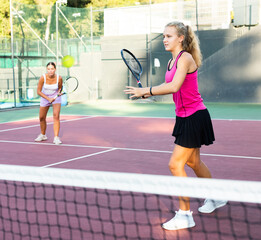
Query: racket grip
[[59, 94], [140, 85]]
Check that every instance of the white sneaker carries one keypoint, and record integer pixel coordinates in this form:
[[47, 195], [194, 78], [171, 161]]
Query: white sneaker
[[179, 221], [57, 140], [40, 138], [210, 206]]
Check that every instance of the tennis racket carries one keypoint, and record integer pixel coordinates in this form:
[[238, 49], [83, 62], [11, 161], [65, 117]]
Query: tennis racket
[[69, 86], [133, 64]]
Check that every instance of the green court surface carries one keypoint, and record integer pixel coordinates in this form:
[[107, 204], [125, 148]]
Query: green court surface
[[137, 109]]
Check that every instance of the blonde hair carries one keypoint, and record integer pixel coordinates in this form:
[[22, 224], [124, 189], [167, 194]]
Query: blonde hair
[[190, 42]]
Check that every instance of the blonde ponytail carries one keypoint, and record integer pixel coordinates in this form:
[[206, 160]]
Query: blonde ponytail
[[190, 42]]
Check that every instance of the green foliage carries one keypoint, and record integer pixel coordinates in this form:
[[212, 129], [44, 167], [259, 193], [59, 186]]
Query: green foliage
[[4, 18], [40, 15], [123, 3], [78, 3], [112, 3]]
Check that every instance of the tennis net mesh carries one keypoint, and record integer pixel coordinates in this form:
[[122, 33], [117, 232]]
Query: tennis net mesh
[[52, 203]]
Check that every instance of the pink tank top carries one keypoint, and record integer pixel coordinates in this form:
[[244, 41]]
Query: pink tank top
[[188, 99]]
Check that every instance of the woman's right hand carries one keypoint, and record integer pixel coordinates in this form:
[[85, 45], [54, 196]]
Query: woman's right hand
[[135, 92], [51, 99]]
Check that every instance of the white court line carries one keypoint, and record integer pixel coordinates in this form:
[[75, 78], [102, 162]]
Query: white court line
[[127, 116], [51, 144], [174, 118], [203, 154], [86, 117], [127, 149], [77, 158], [37, 125], [37, 118], [229, 156]]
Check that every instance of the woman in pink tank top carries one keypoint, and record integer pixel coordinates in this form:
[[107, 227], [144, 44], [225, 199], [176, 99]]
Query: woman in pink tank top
[[193, 127]]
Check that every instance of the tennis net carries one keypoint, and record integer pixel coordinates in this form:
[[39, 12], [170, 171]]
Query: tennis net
[[52, 203]]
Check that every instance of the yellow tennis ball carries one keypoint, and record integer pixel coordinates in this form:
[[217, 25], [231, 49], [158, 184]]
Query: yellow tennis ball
[[68, 61]]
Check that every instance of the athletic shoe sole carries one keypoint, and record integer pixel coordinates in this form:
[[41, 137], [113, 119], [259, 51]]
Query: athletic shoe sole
[[212, 209], [177, 227], [36, 140]]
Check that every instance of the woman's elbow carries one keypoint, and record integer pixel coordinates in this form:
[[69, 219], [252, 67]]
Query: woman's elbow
[[39, 92], [174, 89]]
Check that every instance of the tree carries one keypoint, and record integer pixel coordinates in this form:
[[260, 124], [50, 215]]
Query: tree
[[38, 11], [78, 3], [4, 18], [113, 3]]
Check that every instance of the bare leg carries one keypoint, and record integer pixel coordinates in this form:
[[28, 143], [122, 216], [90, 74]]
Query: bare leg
[[179, 158], [42, 117], [183, 218], [191, 157], [198, 166], [56, 119]]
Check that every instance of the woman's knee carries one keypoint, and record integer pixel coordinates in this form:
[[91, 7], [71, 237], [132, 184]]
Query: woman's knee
[[56, 117], [175, 167], [194, 161], [56, 112], [42, 119], [194, 164]]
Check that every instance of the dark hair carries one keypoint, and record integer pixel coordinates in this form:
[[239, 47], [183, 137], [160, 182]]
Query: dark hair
[[190, 43], [51, 63]]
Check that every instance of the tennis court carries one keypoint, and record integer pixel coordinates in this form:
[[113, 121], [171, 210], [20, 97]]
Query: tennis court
[[130, 144], [135, 140], [109, 179]]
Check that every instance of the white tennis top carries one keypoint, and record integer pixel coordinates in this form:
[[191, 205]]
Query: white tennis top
[[50, 89]]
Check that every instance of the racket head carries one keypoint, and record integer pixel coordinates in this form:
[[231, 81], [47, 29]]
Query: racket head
[[70, 85], [132, 63]]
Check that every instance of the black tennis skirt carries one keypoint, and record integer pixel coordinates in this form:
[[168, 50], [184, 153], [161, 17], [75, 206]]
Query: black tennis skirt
[[194, 131]]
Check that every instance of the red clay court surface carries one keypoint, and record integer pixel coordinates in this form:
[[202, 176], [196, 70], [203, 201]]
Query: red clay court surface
[[131, 144]]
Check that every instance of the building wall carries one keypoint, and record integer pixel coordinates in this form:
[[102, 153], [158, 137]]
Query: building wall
[[233, 73], [230, 72]]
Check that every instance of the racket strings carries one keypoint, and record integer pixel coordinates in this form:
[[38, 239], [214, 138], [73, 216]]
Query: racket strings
[[133, 64], [70, 85]]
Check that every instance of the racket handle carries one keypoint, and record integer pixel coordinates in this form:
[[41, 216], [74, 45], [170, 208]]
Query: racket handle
[[56, 96], [139, 84]]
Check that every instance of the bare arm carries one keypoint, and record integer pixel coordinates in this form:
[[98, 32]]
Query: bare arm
[[60, 84], [39, 88], [185, 64]]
